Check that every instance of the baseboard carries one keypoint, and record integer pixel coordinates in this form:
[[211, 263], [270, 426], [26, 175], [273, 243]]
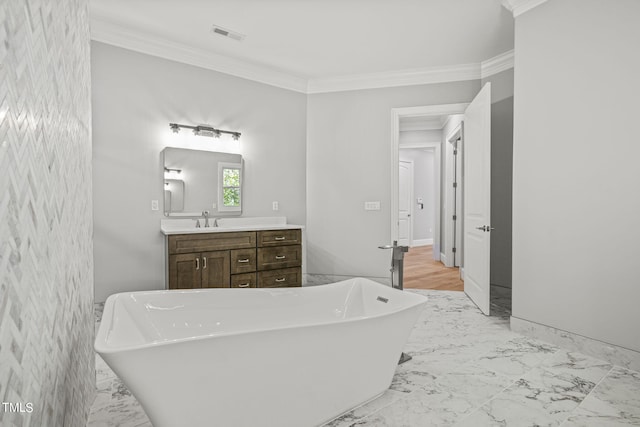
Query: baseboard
[[422, 242], [443, 259], [611, 353]]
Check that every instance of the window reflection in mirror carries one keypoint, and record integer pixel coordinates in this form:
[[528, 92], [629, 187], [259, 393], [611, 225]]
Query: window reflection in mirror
[[229, 191], [195, 181]]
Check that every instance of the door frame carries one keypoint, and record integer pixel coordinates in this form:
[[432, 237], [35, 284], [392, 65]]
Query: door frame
[[453, 229], [411, 195], [422, 111]]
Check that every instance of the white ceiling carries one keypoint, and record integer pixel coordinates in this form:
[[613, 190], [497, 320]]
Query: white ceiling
[[314, 39]]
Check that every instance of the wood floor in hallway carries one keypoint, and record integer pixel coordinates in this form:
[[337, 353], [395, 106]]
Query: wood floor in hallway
[[422, 272]]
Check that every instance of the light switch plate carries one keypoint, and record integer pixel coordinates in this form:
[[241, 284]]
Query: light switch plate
[[372, 206], [154, 205], [275, 206]]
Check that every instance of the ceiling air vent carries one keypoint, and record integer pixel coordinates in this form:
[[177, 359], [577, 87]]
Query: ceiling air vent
[[227, 33]]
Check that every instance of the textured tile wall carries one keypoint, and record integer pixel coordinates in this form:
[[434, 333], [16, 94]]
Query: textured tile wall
[[46, 261]]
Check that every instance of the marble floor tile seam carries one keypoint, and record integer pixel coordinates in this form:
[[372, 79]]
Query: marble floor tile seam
[[369, 414], [486, 402], [593, 395], [506, 389]]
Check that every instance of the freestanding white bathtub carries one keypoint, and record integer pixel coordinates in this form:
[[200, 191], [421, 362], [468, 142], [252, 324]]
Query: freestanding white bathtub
[[256, 357]]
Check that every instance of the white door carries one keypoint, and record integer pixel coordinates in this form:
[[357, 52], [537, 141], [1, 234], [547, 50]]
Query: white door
[[405, 196], [477, 198]]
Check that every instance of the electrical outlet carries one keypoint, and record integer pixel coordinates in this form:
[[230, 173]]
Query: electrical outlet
[[154, 205], [372, 206], [275, 206]]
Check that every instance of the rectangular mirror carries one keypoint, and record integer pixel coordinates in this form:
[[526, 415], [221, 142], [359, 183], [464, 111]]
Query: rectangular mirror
[[195, 181]]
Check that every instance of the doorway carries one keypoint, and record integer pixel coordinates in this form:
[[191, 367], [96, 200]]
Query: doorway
[[476, 199], [446, 115]]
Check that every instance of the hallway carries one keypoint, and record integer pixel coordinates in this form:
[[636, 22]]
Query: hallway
[[422, 272]]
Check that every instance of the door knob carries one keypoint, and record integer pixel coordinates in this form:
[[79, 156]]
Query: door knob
[[485, 228]]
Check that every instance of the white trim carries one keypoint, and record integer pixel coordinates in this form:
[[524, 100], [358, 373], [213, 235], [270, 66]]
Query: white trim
[[443, 259], [497, 64], [417, 126], [518, 7], [422, 242], [116, 35], [421, 76], [104, 31]]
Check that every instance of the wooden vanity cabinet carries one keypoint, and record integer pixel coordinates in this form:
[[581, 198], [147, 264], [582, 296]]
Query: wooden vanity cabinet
[[199, 270], [247, 259]]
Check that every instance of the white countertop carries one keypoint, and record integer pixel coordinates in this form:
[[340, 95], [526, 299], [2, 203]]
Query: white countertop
[[187, 226]]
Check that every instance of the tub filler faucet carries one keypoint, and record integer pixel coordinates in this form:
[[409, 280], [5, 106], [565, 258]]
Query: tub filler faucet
[[397, 263], [397, 267]]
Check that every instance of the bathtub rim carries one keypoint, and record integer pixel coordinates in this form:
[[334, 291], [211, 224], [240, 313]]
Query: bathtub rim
[[102, 347]]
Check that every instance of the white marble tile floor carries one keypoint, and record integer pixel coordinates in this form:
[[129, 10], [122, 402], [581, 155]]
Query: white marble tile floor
[[467, 370]]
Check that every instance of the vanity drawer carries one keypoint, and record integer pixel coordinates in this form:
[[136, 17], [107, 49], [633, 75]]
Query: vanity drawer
[[188, 243], [245, 280], [279, 257], [243, 260], [279, 237], [285, 277]]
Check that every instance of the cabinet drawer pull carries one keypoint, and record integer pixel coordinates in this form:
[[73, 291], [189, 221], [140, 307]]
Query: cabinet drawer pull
[[281, 280], [280, 256], [243, 260], [204, 262], [280, 238], [197, 263], [244, 285]]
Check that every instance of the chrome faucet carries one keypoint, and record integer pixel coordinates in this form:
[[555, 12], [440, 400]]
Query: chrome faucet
[[205, 215], [215, 222]]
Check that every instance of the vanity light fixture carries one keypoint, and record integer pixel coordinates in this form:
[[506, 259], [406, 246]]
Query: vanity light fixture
[[205, 130]]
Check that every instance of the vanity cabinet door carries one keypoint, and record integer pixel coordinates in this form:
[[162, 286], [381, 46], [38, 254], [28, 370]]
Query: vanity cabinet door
[[185, 271], [215, 269]]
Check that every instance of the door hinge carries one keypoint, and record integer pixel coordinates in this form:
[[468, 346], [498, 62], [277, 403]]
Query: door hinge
[[455, 217], [454, 250], [455, 185], [455, 152]]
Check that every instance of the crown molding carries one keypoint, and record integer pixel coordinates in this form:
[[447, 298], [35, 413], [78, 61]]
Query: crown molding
[[518, 7], [395, 78], [113, 34], [497, 64]]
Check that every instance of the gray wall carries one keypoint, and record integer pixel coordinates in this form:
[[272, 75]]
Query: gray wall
[[46, 260], [135, 96], [348, 163], [575, 167]]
